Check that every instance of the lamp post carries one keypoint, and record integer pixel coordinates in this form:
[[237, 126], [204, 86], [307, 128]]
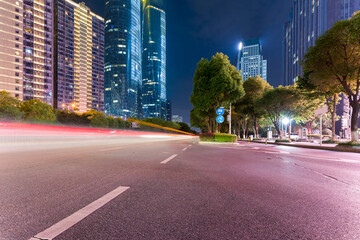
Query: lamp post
[[237, 68], [239, 53], [286, 121]]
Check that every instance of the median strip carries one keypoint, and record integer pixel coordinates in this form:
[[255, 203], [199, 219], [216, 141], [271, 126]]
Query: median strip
[[169, 159], [73, 219]]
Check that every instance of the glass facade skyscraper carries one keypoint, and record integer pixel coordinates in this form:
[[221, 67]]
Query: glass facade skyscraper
[[308, 20], [123, 58], [154, 59], [251, 61]]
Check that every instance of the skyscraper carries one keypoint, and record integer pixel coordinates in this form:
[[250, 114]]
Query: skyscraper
[[251, 61], [154, 59], [79, 64], [38, 50], [11, 47], [308, 20], [123, 58]]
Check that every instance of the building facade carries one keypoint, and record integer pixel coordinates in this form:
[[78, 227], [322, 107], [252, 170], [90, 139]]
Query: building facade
[[11, 47], [79, 60], [38, 50], [153, 59], [123, 58], [308, 20], [177, 118], [251, 61]]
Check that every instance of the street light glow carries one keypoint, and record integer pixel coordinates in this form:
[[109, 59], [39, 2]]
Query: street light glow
[[286, 121], [240, 46]]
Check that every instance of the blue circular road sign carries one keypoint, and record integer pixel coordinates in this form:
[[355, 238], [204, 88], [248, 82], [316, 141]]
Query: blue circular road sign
[[220, 119], [220, 111]]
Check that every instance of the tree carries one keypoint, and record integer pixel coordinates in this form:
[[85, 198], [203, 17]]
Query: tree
[[163, 123], [9, 106], [254, 89], [287, 102], [335, 61], [36, 110], [184, 127], [327, 93], [217, 83], [96, 118]]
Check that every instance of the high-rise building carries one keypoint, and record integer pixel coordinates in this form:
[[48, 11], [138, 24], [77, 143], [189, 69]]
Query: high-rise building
[[123, 58], [154, 59], [177, 118], [168, 110], [308, 20], [251, 61], [38, 50], [11, 47], [79, 41]]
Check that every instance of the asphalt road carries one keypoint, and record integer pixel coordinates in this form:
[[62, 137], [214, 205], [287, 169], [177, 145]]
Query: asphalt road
[[174, 188]]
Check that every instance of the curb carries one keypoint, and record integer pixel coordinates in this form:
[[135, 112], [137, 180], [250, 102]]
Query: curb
[[334, 149], [218, 143]]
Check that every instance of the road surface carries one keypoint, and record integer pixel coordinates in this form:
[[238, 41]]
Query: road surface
[[136, 187]]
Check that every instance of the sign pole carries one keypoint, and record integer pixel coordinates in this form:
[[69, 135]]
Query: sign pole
[[230, 120], [321, 126]]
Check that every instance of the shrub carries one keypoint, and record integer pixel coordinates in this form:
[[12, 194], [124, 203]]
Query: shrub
[[349, 144], [96, 118], [163, 123], [282, 141], [318, 136], [330, 141], [222, 137], [9, 106], [207, 137], [36, 110]]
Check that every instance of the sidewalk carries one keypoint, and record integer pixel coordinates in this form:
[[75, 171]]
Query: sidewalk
[[329, 147]]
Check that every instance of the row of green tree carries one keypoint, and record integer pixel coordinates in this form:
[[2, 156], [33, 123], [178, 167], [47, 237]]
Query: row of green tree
[[255, 103], [331, 67], [37, 111]]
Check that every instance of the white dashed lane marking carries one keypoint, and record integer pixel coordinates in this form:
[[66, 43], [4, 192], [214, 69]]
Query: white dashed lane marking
[[169, 159], [73, 219]]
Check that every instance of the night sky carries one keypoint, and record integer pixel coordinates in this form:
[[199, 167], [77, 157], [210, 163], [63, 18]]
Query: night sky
[[201, 28]]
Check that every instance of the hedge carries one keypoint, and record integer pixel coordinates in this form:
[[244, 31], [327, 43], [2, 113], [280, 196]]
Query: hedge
[[218, 137], [349, 144]]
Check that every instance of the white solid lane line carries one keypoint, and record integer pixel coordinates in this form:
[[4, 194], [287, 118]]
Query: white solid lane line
[[169, 159], [73, 219], [111, 149]]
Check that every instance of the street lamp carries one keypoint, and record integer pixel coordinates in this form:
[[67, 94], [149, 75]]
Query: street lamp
[[241, 45], [286, 121]]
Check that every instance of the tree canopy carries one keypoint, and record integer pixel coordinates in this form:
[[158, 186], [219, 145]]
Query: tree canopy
[[217, 83], [334, 63], [36, 110], [9, 106], [254, 88]]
